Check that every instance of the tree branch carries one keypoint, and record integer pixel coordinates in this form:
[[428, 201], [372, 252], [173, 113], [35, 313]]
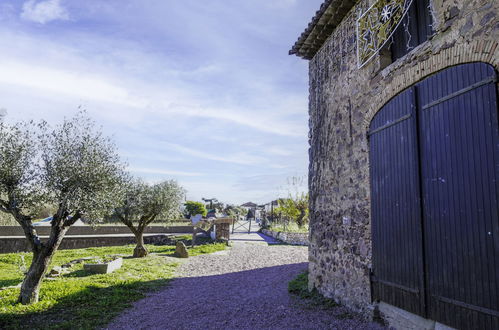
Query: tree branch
[[127, 222], [4, 204], [71, 221], [26, 224]]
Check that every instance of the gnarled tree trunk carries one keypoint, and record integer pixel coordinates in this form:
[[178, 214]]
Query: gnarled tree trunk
[[42, 256], [140, 250], [30, 288]]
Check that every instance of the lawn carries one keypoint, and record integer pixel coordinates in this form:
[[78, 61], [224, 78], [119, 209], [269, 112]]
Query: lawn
[[82, 300]]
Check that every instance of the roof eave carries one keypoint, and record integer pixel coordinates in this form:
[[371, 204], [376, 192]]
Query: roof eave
[[325, 21]]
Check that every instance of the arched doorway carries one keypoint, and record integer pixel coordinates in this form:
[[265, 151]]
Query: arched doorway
[[434, 169]]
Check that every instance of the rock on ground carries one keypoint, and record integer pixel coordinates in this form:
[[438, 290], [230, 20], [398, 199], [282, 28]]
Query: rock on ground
[[242, 288]]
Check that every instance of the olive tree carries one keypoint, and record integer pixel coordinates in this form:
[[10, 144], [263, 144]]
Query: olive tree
[[72, 166], [142, 204], [194, 208]]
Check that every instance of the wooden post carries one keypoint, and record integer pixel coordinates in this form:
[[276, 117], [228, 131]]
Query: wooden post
[[194, 231]]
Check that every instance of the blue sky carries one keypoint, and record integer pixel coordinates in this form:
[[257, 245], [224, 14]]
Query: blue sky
[[199, 91]]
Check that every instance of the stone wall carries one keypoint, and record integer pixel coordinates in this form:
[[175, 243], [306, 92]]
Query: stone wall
[[289, 238], [97, 230], [20, 244], [343, 100]]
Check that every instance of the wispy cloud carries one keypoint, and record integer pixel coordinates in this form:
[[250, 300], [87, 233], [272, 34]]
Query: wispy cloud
[[65, 83], [44, 11], [241, 158], [159, 171], [213, 102]]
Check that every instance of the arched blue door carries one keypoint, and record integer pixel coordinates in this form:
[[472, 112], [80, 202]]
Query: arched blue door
[[434, 152]]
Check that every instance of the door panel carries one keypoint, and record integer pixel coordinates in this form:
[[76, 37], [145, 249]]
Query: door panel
[[460, 170], [396, 210]]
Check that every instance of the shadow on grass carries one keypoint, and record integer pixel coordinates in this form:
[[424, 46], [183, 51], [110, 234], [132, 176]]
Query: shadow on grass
[[11, 282], [90, 308], [78, 273], [172, 255]]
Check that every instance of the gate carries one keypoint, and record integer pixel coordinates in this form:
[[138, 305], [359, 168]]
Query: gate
[[435, 199]]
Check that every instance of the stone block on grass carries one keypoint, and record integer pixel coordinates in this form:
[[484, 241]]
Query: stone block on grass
[[104, 268]]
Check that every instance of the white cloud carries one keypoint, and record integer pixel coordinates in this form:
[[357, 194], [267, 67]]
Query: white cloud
[[241, 158], [60, 82], [162, 171], [44, 11], [246, 117]]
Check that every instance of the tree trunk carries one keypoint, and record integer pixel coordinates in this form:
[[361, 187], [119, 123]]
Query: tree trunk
[[30, 287], [42, 255], [301, 218], [140, 250]]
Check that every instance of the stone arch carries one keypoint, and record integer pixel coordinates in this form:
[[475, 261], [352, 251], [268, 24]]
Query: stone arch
[[486, 51]]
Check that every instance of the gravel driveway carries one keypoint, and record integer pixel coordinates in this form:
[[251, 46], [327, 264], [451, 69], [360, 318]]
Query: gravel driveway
[[241, 288]]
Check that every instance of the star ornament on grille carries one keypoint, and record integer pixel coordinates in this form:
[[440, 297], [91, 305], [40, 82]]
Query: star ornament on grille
[[367, 37], [386, 13]]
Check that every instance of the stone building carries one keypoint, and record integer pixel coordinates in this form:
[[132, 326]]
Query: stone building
[[404, 159]]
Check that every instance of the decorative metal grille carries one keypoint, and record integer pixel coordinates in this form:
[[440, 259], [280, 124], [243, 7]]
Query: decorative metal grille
[[377, 25]]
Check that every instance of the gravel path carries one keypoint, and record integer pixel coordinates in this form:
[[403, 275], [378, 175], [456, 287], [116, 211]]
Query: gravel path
[[241, 288]]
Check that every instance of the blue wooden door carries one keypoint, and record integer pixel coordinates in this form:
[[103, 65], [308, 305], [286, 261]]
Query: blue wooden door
[[434, 156], [460, 170]]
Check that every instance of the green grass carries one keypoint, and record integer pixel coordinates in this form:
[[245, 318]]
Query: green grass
[[82, 300], [290, 228], [299, 287]]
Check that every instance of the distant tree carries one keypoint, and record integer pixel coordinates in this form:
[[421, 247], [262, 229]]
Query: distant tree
[[72, 166], [3, 113], [301, 204], [234, 210], [217, 206], [142, 204], [294, 209], [193, 208]]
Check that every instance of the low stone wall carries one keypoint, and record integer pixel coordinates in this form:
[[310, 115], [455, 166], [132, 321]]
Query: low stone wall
[[289, 238], [97, 230], [19, 244]]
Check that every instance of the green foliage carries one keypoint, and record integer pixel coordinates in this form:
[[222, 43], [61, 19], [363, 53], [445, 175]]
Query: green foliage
[[7, 220], [299, 287], [294, 209], [194, 208], [19, 172], [81, 167], [44, 211], [234, 210], [80, 300], [216, 205], [144, 203], [71, 165]]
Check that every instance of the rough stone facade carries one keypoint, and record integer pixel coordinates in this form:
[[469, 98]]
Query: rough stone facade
[[343, 100], [289, 238]]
